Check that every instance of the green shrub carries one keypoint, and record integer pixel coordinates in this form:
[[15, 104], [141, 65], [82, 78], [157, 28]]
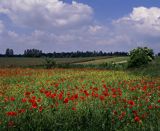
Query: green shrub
[[49, 63], [140, 56]]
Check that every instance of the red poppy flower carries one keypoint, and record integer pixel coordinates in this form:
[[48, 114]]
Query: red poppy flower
[[56, 85], [27, 93], [66, 100], [131, 102], [12, 99], [137, 119], [24, 100], [11, 113], [40, 109], [21, 110], [102, 98], [73, 108], [34, 105], [150, 107]]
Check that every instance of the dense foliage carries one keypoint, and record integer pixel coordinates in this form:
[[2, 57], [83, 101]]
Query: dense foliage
[[32, 53], [9, 52], [49, 63], [39, 53], [140, 56]]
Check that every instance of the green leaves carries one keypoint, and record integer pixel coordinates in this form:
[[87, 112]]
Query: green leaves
[[140, 56]]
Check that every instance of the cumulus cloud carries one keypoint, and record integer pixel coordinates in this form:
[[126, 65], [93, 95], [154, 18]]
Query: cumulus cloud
[[53, 25], [143, 20], [46, 14]]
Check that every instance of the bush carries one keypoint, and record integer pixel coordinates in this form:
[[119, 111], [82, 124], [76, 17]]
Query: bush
[[140, 56], [49, 63]]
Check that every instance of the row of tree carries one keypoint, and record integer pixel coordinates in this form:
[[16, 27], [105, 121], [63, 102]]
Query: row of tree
[[39, 53]]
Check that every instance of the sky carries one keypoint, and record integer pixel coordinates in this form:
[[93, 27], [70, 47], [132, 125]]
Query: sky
[[80, 25]]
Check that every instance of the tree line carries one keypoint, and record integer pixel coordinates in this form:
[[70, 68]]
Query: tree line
[[39, 53]]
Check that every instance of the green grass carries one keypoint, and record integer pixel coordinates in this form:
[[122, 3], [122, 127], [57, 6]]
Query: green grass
[[151, 70], [106, 60], [24, 62]]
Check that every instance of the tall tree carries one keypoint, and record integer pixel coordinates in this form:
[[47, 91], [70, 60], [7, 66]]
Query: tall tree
[[9, 52]]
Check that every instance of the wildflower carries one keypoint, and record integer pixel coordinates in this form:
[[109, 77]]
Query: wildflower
[[34, 105], [144, 88], [48, 93], [150, 107], [42, 90], [32, 101], [21, 110], [12, 99], [134, 112], [56, 85], [114, 95], [115, 112], [27, 93], [102, 98], [40, 109], [131, 102], [86, 93], [11, 113], [76, 96], [137, 119], [53, 95], [24, 100], [73, 108], [122, 115], [66, 100], [33, 97]]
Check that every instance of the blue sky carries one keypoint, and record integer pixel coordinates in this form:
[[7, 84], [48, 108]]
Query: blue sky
[[111, 9], [56, 25]]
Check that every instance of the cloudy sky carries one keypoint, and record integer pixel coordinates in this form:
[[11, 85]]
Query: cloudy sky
[[66, 25]]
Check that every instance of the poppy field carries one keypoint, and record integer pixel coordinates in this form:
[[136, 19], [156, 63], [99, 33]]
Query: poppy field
[[78, 99]]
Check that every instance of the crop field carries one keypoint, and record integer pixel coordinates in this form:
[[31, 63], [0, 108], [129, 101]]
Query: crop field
[[106, 60], [78, 99], [24, 61]]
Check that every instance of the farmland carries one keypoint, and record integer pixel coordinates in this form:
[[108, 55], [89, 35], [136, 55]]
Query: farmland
[[78, 99], [25, 62], [106, 60]]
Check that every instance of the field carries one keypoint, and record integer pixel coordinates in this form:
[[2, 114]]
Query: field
[[106, 60], [78, 99], [31, 62]]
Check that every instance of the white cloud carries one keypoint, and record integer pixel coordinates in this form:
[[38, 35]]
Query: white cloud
[[53, 25], [45, 14], [143, 20], [95, 29]]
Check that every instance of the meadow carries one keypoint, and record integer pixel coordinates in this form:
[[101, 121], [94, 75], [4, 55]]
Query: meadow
[[11, 62], [78, 99]]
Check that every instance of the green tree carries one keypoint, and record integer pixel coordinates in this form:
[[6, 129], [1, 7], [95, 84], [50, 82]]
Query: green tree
[[9, 52], [140, 56]]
